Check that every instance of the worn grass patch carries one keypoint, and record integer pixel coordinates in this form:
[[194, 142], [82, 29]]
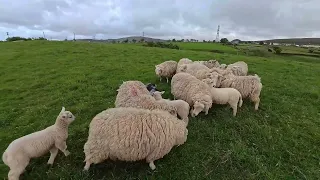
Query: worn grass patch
[[279, 141]]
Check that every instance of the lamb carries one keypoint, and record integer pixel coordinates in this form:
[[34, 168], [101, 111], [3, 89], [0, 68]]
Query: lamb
[[131, 134], [166, 69], [192, 90], [242, 66], [182, 106], [19, 152], [229, 96], [135, 94], [248, 86], [182, 62]]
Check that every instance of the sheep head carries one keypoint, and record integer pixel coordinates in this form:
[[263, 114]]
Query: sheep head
[[65, 117], [197, 108]]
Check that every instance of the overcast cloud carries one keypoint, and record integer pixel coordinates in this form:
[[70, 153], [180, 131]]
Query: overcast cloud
[[243, 19]]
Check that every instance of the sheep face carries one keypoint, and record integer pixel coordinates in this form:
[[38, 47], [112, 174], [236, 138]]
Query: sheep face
[[215, 77], [197, 108], [182, 68], [157, 94], [208, 81], [158, 69], [65, 117]]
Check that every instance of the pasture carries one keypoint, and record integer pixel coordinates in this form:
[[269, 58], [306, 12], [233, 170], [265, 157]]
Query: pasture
[[279, 141]]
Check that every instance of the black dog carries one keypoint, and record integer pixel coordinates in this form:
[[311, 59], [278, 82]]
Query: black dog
[[151, 87]]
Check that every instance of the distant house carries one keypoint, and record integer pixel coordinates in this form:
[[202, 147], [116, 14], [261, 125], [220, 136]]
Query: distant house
[[235, 41]]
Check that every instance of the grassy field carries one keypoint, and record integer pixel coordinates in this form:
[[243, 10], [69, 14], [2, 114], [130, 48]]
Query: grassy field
[[279, 141]]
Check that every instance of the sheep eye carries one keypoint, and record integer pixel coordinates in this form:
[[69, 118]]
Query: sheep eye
[[70, 116]]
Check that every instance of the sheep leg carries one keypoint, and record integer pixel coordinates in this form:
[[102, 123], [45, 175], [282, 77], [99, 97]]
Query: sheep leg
[[234, 108], [167, 80], [206, 110], [53, 155], [62, 146], [18, 169], [160, 78], [256, 101], [87, 166]]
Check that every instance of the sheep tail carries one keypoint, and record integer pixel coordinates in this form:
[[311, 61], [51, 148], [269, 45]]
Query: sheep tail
[[5, 158], [240, 100]]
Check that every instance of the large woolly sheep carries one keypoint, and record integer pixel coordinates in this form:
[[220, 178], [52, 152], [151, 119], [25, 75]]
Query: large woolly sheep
[[198, 70], [192, 90], [243, 68], [166, 69], [135, 94], [19, 152], [182, 62], [210, 63], [229, 96], [131, 134], [248, 86], [182, 106]]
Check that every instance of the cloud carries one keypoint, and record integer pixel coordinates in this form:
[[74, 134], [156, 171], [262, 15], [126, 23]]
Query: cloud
[[247, 20]]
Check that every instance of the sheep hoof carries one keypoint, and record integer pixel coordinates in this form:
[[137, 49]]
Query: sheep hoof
[[152, 166], [67, 153]]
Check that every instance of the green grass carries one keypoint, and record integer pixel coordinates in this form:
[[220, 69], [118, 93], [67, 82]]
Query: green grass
[[210, 47], [279, 141]]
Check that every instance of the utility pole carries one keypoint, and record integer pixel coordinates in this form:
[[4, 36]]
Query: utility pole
[[74, 36], [8, 34], [44, 36], [142, 34], [218, 33]]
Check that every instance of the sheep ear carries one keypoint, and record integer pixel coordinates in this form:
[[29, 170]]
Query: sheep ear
[[63, 109]]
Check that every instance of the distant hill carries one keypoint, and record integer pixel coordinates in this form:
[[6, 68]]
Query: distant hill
[[298, 41], [137, 38]]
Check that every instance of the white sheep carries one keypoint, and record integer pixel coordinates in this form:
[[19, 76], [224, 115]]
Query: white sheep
[[243, 68], [182, 106], [131, 134], [182, 62], [198, 70], [210, 63], [229, 96], [166, 69], [248, 86], [192, 90], [135, 94], [19, 152]]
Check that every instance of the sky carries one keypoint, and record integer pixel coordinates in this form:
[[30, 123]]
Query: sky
[[165, 19]]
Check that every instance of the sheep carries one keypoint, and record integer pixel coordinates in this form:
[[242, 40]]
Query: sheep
[[236, 70], [223, 66], [131, 134], [135, 94], [243, 67], [210, 63], [20, 151], [198, 70], [248, 86], [166, 69], [192, 90], [229, 96], [182, 62], [182, 106]]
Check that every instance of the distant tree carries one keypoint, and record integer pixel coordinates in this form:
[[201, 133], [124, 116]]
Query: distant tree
[[261, 43], [113, 41], [204, 41], [311, 50], [134, 40], [142, 40], [182, 40], [224, 40], [277, 49], [213, 41], [126, 41], [173, 40]]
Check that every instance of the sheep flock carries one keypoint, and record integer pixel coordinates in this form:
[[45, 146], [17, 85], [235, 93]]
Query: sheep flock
[[143, 125]]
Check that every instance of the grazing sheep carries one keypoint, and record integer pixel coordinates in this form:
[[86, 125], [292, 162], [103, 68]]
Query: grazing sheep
[[192, 90], [166, 69], [248, 86], [131, 134], [210, 63], [182, 106], [229, 96], [135, 94], [198, 70], [243, 67], [19, 152], [182, 62]]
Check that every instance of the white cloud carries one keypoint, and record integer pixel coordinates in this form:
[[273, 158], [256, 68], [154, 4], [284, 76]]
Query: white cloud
[[247, 20]]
